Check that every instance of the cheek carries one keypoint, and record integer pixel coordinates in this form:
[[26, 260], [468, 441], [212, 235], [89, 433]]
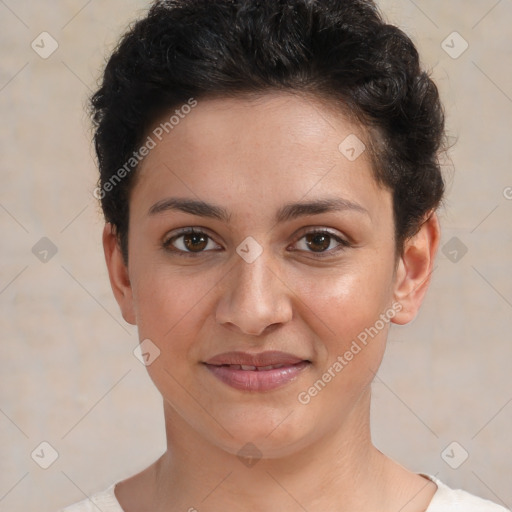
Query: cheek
[[344, 310], [169, 310], [351, 344], [166, 301], [345, 300]]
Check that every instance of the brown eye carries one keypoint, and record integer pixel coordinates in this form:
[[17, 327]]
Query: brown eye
[[318, 242], [190, 243], [195, 241]]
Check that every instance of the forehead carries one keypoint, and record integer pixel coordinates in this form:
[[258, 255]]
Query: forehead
[[265, 150], [279, 126]]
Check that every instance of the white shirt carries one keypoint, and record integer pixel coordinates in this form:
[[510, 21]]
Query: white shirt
[[444, 500]]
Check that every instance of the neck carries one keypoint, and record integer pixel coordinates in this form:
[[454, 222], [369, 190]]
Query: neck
[[342, 467]]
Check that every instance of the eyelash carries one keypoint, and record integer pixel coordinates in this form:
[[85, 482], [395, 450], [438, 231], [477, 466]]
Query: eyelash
[[167, 244]]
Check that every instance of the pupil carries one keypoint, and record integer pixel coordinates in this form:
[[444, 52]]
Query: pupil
[[324, 241]]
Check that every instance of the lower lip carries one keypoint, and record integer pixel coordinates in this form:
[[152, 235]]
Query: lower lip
[[253, 380]]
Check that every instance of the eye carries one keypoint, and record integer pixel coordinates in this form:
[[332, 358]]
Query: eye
[[319, 242], [189, 242], [192, 242]]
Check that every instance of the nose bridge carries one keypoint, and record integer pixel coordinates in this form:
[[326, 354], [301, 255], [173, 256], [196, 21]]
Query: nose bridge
[[255, 297]]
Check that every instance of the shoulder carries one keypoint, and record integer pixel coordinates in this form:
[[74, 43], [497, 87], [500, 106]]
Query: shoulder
[[105, 501], [457, 500]]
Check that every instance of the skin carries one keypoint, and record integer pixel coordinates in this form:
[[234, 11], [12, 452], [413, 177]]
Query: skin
[[317, 456]]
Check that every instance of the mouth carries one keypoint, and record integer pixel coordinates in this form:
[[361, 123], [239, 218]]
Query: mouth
[[248, 367], [256, 372]]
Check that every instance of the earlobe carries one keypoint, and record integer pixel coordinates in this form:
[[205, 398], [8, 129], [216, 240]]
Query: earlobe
[[415, 269], [118, 274]]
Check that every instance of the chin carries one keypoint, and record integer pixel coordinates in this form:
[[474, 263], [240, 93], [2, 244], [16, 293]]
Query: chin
[[271, 434]]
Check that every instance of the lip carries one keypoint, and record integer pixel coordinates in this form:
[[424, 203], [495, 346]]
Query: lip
[[271, 357], [227, 368]]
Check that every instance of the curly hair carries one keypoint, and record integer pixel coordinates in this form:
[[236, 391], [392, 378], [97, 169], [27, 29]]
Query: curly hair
[[340, 51]]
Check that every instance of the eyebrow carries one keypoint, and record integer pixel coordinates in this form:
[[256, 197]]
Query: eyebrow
[[286, 213]]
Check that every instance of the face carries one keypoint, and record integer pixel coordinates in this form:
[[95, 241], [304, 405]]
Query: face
[[292, 251]]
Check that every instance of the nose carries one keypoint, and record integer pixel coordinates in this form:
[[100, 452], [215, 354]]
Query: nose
[[255, 298]]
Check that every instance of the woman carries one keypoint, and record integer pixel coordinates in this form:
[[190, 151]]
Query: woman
[[269, 177]]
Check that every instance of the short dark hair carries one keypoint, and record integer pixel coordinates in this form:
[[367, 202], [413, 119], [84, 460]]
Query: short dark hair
[[340, 51]]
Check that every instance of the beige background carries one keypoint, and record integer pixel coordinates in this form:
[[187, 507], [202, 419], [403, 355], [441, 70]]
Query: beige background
[[68, 373]]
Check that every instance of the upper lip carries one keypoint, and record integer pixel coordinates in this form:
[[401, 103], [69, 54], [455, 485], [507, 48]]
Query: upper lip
[[262, 359]]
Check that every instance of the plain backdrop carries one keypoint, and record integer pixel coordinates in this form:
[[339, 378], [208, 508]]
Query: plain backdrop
[[69, 376]]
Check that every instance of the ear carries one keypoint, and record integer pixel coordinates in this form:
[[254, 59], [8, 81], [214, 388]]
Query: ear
[[415, 268], [118, 274]]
